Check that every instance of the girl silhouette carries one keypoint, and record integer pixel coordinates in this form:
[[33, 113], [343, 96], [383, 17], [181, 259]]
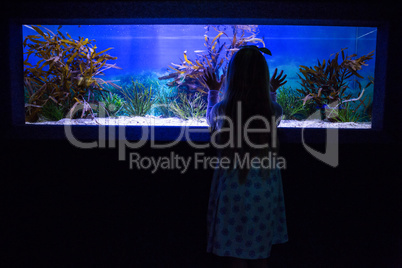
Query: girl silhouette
[[246, 212]]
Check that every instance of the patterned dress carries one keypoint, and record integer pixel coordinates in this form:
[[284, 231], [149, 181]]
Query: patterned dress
[[245, 220]]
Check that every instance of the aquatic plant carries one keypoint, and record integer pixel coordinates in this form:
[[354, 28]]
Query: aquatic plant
[[291, 104], [350, 113], [52, 111], [138, 99], [66, 72], [216, 56], [112, 103], [368, 109], [326, 83], [165, 102], [189, 106]]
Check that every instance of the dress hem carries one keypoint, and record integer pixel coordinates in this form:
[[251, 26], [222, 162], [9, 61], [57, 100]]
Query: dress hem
[[245, 258]]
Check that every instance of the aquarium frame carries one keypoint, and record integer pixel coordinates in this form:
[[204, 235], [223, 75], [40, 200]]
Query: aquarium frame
[[19, 130]]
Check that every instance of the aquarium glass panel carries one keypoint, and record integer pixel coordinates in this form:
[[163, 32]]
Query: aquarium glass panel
[[149, 74]]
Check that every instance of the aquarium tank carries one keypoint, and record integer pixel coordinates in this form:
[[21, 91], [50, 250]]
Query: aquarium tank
[[150, 74]]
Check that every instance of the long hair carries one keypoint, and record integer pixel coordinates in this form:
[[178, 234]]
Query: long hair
[[247, 97]]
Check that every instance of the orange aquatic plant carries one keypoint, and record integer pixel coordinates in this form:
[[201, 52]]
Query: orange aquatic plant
[[66, 73], [216, 56]]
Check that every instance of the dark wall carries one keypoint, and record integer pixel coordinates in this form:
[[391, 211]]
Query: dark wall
[[84, 208], [65, 206]]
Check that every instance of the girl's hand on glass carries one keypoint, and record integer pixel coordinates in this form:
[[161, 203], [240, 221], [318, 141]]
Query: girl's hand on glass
[[277, 82], [209, 78]]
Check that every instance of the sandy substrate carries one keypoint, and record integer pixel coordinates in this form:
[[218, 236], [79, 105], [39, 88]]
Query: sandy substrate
[[322, 124], [173, 121]]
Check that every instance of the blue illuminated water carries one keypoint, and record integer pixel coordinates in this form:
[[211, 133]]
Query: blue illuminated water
[[143, 48]]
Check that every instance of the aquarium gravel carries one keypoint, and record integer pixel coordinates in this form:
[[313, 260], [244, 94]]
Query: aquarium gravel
[[173, 121]]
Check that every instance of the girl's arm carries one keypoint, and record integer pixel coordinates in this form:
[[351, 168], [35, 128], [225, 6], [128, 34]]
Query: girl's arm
[[214, 85], [277, 108], [275, 83], [213, 98], [278, 112]]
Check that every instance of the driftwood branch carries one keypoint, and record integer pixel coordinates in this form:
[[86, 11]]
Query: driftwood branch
[[355, 99]]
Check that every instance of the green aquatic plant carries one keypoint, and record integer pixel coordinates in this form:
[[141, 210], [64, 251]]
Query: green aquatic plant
[[52, 111], [138, 99], [350, 113], [189, 106], [291, 103], [368, 109], [165, 95], [326, 83], [354, 110], [66, 73], [349, 110], [165, 101], [112, 104], [216, 56]]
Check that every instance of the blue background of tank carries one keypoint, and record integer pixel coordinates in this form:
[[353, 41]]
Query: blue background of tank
[[151, 48]]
